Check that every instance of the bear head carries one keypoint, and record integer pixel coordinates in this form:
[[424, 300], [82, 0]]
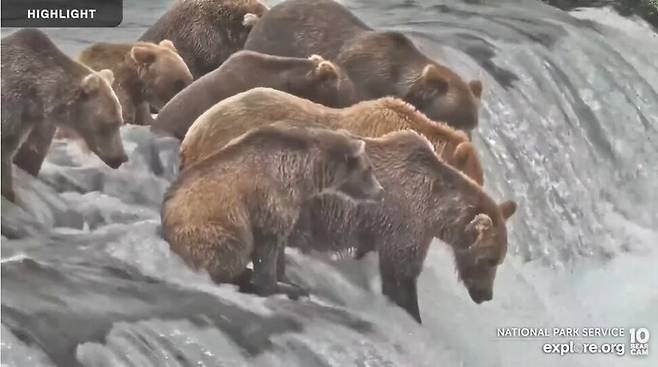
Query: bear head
[[325, 83], [242, 16], [162, 72], [484, 248], [341, 163], [444, 96], [389, 63], [94, 113]]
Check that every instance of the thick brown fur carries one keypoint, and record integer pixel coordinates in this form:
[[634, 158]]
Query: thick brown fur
[[244, 200], [425, 198], [380, 63], [313, 78], [42, 88], [260, 106], [145, 74], [206, 32]]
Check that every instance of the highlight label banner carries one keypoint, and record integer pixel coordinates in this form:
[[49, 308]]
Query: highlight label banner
[[62, 13]]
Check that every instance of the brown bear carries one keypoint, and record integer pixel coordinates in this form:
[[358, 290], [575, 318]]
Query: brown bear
[[424, 198], [41, 87], [259, 106], [380, 63], [206, 32], [240, 204], [314, 78], [145, 74]]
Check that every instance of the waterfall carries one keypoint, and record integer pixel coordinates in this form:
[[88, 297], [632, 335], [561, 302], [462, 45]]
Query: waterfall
[[568, 129]]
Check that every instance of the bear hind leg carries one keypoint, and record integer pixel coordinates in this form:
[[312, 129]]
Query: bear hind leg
[[228, 261], [265, 279], [221, 253]]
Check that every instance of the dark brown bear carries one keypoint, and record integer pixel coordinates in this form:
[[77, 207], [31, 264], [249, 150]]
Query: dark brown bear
[[424, 198], [313, 78], [145, 75], [241, 203], [42, 87], [380, 63], [206, 32]]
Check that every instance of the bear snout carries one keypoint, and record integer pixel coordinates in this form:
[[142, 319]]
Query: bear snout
[[116, 162], [480, 295]]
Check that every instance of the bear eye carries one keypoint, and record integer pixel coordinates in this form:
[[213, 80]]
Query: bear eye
[[179, 84], [351, 161]]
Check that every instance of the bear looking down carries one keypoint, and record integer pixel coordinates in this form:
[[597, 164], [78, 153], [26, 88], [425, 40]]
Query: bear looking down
[[424, 198], [380, 63], [259, 106], [43, 88], [206, 32], [241, 203], [145, 74], [313, 78]]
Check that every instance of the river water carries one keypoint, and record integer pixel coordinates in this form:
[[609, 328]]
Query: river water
[[569, 129]]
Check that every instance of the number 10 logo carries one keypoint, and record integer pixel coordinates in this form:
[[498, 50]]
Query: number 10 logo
[[639, 341]]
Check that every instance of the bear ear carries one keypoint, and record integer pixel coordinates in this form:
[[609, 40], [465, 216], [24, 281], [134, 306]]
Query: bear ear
[[142, 55], [461, 155], [90, 84], [507, 208], [316, 59], [265, 7], [108, 75], [168, 44], [431, 76], [476, 88], [326, 70], [479, 225], [358, 147], [465, 159], [250, 19]]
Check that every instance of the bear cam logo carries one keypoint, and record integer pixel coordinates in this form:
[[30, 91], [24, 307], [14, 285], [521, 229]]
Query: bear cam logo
[[639, 341]]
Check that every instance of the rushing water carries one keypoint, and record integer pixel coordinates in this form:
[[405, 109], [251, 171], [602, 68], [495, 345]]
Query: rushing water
[[569, 129]]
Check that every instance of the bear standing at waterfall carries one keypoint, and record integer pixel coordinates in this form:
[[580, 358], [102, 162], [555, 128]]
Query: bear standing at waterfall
[[260, 106], [241, 203], [206, 32], [314, 78], [43, 88], [145, 74], [380, 63]]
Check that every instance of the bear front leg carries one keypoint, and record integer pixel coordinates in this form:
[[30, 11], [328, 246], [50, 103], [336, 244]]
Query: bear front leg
[[33, 151], [401, 289], [264, 280], [7, 179], [143, 114]]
